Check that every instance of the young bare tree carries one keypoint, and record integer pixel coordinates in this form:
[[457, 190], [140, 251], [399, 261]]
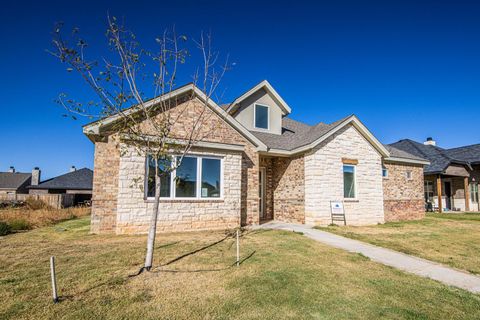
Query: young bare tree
[[118, 80]]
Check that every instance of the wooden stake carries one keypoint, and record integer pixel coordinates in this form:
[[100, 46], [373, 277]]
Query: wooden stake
[[54, 280], [238, 248]]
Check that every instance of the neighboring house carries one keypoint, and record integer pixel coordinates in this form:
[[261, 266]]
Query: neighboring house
[[451, 178], [77, 183], [256, 164], [13, 182]]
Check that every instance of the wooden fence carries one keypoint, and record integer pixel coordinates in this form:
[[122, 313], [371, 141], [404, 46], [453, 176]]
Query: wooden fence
[[56, 201]]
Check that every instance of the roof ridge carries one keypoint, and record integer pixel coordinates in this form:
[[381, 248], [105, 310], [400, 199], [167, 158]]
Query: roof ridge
[[467, 146]]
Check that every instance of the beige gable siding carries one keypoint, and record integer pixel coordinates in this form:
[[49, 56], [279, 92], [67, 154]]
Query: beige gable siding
[[245, 113], [324, 179]]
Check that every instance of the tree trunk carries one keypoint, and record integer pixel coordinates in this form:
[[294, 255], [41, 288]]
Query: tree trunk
[[153, 221]]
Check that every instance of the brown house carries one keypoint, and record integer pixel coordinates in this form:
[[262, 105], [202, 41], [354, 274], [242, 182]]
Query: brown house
[[255, 164], [451, 178]]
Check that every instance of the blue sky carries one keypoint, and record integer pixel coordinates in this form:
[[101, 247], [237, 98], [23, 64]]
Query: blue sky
[[405, 68]]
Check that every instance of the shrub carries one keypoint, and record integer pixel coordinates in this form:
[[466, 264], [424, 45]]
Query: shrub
[[35, 204], [20, 224], [4, 228]]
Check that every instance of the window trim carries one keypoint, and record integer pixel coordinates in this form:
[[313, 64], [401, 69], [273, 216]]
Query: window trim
[[255, 116], [386, 173], [355, 196], [198, 187]]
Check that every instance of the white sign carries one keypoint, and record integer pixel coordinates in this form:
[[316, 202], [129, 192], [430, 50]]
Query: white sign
[[336, 207]]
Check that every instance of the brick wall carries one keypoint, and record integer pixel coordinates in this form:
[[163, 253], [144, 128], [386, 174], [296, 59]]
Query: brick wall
[[214, 129], [324, 179], [403, 197], [105, 186]]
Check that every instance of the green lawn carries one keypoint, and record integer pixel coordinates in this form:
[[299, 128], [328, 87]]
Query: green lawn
[[449, 238], [286, 277]]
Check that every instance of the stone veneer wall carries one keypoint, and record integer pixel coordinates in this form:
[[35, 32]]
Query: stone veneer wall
[[215, 129], [134, 211], [403, 198], [324, 179], [289, 189], [105, 186]]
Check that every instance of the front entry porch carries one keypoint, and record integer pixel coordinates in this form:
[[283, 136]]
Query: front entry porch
[[282, 189], [448, 192]]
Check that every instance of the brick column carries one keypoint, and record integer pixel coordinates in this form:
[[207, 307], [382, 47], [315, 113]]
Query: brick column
[[467, 194]]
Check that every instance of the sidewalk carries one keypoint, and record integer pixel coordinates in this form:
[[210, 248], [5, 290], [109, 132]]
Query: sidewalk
[[418, 266]]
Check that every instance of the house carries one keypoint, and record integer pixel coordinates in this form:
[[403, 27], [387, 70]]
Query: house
[[255, 164], [77, 183], [13, 182], [451, 178]]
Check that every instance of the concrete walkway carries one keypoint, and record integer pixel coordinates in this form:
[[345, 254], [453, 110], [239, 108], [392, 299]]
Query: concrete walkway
[[418, 266]]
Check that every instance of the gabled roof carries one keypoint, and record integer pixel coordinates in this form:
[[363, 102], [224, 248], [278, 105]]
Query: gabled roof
[[439, 158], [270, 90], [94, 128], [81, 179], [13, 180], [298, 137]]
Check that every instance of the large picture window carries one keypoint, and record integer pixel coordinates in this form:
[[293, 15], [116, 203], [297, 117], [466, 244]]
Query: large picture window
[[349, 191], [261, 116], [195, 177], [165, 177]]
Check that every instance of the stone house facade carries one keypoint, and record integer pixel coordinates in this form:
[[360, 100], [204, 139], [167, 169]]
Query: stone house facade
[[254, 164]]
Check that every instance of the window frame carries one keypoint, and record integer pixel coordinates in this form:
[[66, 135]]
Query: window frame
[[426, 191], [355, 189], [198, 187], [385, 170], [255, 116]]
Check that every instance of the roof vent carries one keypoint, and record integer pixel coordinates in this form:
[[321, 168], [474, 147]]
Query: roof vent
[[73, 169], [430, 142], [11, 169]]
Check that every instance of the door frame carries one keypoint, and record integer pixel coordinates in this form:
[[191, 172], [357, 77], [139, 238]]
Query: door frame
[[262, 177]]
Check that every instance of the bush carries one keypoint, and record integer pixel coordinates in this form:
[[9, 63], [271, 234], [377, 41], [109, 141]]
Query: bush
[[20, 224], [4, 228], [35, 204]]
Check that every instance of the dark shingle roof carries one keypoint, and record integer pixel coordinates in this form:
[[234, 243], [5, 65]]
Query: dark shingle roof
[[295, 134], [439, 158], [81, 179], [13, 180], [467, 153], [398, 153]]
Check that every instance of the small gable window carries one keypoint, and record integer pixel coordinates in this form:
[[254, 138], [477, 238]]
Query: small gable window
[[261, 116]]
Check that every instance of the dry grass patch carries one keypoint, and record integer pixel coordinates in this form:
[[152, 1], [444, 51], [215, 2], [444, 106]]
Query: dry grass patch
[[287, 276], [452, 239], [25, 218]]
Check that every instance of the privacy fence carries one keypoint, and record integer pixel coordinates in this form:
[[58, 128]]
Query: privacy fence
[[56, 201]]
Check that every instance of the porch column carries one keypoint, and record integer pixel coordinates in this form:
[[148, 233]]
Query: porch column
[[467, 194], [439, 193]]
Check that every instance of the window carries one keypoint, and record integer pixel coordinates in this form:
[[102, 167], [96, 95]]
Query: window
[[349, 181], [408, 175], [428, 188], [186, 178], [385, 172], [165, 177], [261, 117], [210, 178], [474, 192], [196, 177]]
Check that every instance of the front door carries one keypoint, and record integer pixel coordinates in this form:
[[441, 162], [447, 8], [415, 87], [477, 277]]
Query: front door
[[261, 192], [448, 195]]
